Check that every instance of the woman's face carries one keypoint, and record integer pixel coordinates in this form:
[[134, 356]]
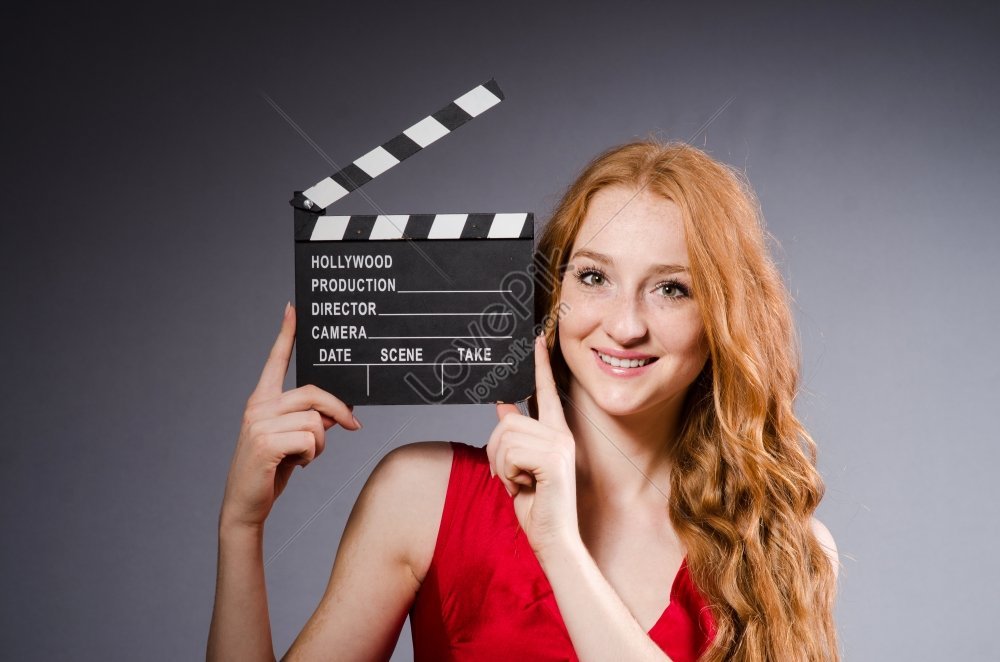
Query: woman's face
[[632, 337]]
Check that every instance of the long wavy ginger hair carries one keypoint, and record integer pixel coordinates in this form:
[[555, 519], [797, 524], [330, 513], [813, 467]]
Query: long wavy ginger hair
[[746, 485]]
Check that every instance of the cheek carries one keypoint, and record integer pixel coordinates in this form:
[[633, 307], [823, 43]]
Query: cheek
[[684, 335], [579, 318]]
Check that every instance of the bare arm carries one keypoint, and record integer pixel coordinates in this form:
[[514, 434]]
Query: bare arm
[[388, 540], [241, 628], [390, 534], [383, 554], [540, 455], [599, 624], [280, 430]]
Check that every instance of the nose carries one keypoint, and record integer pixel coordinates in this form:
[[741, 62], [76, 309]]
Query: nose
[[625, 321]]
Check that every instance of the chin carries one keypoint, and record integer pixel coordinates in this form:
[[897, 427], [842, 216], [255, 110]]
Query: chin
[[618, 403], [633, 408]]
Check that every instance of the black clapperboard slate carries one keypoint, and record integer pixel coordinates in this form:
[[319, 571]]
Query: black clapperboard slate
[[403, 309]]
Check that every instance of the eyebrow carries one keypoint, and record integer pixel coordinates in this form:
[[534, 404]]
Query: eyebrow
[[601, 257]]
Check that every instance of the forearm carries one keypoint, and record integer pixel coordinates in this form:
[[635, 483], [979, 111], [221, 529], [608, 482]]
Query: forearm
[[241, 627], [599, 624]]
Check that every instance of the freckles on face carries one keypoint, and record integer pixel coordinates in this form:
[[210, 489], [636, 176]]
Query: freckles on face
[[632, 336]]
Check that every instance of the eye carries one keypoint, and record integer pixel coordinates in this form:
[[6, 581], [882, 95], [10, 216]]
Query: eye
[[591, 277], [672, 289]]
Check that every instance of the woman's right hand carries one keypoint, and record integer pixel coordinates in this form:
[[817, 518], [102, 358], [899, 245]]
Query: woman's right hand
[[279, 432]]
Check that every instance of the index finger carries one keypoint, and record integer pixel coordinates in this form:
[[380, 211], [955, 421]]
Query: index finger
[[550, 409], [272, 378]]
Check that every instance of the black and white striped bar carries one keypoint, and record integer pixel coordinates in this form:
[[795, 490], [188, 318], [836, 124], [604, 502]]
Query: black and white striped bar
[[369, 227], [428, 130]]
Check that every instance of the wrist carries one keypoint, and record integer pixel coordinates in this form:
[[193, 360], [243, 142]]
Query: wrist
[[568, 548], [234, 528]]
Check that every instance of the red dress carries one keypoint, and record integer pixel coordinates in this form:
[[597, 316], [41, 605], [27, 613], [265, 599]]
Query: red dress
[[485, 596]]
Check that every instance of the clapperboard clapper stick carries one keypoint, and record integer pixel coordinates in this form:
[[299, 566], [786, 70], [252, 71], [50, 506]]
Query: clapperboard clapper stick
[[413, 308]]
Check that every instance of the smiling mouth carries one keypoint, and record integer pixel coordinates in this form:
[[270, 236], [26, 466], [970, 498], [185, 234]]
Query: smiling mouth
[[625, 363]]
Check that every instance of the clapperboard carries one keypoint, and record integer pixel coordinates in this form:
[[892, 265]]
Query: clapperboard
[[413, 308]]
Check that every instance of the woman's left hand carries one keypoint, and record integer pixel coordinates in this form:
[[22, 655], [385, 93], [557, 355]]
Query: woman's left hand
[[536, 462]]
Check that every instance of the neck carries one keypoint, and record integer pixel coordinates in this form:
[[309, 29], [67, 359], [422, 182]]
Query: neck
[[622, 460]]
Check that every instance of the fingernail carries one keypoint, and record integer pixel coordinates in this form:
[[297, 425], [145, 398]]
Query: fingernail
[[492, 473], [509, 493], [357, 422], [288, 306]]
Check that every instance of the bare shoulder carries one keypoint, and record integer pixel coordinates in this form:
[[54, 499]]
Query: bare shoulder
[[829, 545], [416, 476]]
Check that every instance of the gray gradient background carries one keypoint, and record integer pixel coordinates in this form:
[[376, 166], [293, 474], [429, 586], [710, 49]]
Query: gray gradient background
[[147, 254]]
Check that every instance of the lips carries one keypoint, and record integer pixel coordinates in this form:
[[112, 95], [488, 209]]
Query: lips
[[623, 364]]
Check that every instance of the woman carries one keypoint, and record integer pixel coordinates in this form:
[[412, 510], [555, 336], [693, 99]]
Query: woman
[[664, 465]]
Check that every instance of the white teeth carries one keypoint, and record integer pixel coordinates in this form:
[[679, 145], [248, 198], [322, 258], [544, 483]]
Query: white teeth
[[624, 363]]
